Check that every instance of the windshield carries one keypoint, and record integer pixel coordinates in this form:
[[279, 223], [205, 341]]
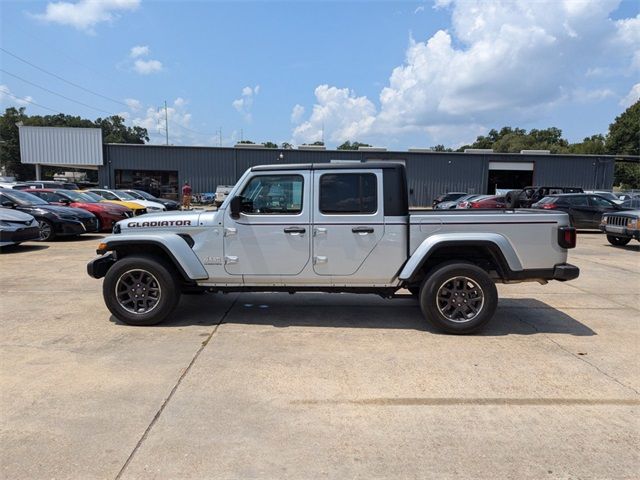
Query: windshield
[[77, 196], [24, 198], [608, 196], [124, 195], [143, 195], [93, 196]]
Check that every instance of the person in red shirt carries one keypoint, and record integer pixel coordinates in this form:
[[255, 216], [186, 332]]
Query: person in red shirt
[[186, 196]]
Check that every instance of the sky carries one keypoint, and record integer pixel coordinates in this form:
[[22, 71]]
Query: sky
[[391, 74]]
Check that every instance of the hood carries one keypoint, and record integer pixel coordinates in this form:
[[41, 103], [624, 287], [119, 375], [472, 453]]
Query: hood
[[11, 215], [63, 211], [160, 221]]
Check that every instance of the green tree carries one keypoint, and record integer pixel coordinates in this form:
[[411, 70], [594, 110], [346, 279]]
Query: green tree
[[113, 128], [593, 145], [624, 132], [286, 146], [441, 148], [352, 146], [270, 145], [248, 142]]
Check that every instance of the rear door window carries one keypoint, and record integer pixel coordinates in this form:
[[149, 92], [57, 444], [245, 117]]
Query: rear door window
[[348, 193], [579, 201]]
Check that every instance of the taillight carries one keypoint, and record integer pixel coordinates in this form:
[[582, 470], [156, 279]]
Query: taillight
[[549, 206], [567, 237], [474, 205]]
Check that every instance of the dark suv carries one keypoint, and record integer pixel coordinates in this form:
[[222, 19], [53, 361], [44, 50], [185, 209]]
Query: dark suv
[[526, 197], [585, 209]]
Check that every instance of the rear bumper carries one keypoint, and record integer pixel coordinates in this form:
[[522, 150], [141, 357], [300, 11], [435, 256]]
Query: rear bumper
[[561, 272], [97, 268]]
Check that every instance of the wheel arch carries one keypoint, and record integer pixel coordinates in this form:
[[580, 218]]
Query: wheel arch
[[490, 252]]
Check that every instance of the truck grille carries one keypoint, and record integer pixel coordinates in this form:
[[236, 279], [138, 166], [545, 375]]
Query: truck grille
[[617, 221]]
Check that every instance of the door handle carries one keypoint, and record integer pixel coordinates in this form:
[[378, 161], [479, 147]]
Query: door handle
[[362, 230], [295, 230]]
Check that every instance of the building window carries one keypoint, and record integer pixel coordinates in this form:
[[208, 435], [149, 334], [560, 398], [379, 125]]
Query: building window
[[348, 193], [159, 183]]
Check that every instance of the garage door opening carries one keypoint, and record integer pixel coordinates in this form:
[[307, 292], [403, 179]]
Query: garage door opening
[[509, 176]]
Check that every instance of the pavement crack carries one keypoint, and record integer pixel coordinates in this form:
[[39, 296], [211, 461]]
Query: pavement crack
[[578, 357], [173, 390]]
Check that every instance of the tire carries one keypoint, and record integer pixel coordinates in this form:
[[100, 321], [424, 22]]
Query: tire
[[618, 241], [450, 294], [512, 198], [158, 286], [47, 233]]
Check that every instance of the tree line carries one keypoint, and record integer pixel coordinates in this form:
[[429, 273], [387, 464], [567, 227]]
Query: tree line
[[623, 138]]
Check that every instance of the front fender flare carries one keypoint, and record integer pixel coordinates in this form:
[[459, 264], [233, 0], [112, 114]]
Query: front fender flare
[[493, 240], [174, 246]]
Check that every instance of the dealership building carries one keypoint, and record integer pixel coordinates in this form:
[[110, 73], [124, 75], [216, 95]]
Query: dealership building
[[162, 169]]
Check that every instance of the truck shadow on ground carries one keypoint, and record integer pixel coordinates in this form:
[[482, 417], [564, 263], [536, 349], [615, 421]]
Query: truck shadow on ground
[[520, 316], [23, 248]]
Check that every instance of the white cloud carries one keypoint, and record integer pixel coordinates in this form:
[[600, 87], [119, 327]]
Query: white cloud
[[85, 14], [133, 104], [153, 119], [340, 113], [632, 97], [7, 97], [297, 113], [147, 67], [418, 10], [139, 51], [501, 59], [244, 104]]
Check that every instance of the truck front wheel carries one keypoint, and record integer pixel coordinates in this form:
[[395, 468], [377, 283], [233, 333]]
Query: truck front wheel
[[618, 241], [140, 290], [458, 298]]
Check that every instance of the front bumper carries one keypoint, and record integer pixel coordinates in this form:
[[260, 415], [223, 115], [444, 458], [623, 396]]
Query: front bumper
[[97, 268], [620, 231], [18, 235], [75, 227]]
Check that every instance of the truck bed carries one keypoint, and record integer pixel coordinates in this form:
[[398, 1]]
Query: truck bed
[[532, 233]]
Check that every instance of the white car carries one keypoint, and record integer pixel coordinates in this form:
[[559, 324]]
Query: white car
[[123, 196]]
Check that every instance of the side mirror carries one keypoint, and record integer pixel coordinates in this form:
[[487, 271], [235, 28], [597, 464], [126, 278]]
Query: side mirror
[[8, 204], [234, 206], [65, 201]]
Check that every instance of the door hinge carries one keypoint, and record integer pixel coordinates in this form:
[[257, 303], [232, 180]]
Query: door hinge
[[319, 231], [228, 260], [229, 232], [320, 259]]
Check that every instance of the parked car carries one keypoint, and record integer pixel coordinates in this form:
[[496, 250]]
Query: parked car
[[222, 192], [492, 201], [529, 195], [142, 195], [627, 195], [45, 184], [136, 208], [632, 203], [585, 209], [53, 220], [106, 213], [122, 196], [465, 202], [608, 195], [450, 205], [17, 227], [621, 227], [448, 197]]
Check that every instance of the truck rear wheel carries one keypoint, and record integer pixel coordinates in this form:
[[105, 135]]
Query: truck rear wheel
[[512, 199], [141, 290], [458, 298]]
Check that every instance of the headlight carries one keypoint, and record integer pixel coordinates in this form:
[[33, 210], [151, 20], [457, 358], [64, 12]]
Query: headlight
[[604, 221], [4, 224], [632, 224], [154, 209]]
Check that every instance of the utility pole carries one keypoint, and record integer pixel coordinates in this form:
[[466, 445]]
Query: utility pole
[[241, 135], [166, 122], [220, 137]]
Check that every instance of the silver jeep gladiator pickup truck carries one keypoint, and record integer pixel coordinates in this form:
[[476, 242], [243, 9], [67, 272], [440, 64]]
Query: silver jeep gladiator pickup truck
[[331, 228]]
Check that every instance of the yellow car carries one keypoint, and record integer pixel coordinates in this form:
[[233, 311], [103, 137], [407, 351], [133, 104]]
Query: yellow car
[[136, 207]]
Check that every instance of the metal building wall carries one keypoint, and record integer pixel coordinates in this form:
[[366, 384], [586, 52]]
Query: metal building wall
[[61, 146], [428, 174]]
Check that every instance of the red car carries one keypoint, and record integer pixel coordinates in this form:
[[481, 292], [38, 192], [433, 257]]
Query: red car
[[107, 213], [494, 201]]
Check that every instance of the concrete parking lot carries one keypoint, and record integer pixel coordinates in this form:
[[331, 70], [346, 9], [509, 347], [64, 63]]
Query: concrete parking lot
[[318, 385]]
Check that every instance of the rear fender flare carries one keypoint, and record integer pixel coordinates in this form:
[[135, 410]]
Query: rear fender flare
[[497, 243]]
